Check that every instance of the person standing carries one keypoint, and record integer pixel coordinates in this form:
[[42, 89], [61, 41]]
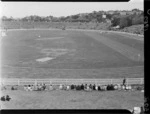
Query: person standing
[[124, 81]]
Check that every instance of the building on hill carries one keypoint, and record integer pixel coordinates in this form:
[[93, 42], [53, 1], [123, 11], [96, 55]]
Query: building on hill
[[104, 16], [137, 11], [123, 13], [110, 12], [130, 13]]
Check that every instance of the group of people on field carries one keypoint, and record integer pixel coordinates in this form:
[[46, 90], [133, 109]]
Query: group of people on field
[[86, 87]]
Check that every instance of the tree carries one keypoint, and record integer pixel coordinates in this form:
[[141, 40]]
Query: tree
[[115, 21], [139, 19], [125, 22]]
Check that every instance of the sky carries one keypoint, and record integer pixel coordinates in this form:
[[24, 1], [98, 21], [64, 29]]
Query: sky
[[57, 9]]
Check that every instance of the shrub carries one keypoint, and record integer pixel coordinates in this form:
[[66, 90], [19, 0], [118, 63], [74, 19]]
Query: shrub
[[125, 22]]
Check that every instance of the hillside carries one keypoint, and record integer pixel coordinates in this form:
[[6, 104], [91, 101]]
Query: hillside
[[135, 29]]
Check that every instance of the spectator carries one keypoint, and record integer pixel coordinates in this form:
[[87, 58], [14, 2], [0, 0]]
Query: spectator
[[115, 87], [64, 87], [78, 87], [25, 87], [50, 87], [85, 86], [3, 98], [72, 87], [61, 87], [29, 88], [82, 87], [94, 87], [105, 87], [12, 88], [44, 87], [35, 87], [39, 87], [7, 98], [99, 87], [90, 86], [124, 81], [68, 87], [119, 86], [123, 87]]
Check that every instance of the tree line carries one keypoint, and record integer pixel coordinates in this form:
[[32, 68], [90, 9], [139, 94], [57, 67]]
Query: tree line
[[116, 18]]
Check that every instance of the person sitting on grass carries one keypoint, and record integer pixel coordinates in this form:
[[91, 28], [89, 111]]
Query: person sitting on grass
[[13, 88], [50, 87], [29, 88], [39, 87], [115, 87], [61, 87], [128, 87], [68, 87], [44, 87], [90, 86], [72, 87], [3, 98], [123, 87], [82, 87], [25, 87], [94, 87], [7, 98], [65, 87], [119, 86], [104, 88], [85, 86], [99, 88], [78, 87]]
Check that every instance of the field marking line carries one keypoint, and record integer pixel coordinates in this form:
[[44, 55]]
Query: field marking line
[[123, 49], [52, 38], [133, 37], [78, 30], [67, 69]]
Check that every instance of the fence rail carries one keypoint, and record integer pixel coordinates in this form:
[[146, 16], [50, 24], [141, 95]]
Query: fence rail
[[70, 81]]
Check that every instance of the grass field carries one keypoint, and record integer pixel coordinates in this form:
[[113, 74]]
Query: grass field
[[59, 99], [70, 54]]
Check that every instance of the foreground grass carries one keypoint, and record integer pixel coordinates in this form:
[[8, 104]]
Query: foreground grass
[[61, 99]]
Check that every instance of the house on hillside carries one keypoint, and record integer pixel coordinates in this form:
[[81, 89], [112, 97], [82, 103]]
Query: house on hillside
[[116, 27], [137, 11], [123, 13], [103, 16], [130, 13], [110, 12]]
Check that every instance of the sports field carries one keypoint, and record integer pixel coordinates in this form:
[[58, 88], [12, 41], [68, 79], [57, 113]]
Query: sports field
[[71, 54]]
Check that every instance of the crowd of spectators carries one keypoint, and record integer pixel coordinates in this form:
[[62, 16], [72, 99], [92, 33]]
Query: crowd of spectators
[[85, 87]]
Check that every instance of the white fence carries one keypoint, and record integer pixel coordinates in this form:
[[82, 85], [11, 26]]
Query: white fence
[[70, 81]]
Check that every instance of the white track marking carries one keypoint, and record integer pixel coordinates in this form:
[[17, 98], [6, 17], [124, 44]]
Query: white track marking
[[52, 38], [67, 69], [44, 59], [129, 52]]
